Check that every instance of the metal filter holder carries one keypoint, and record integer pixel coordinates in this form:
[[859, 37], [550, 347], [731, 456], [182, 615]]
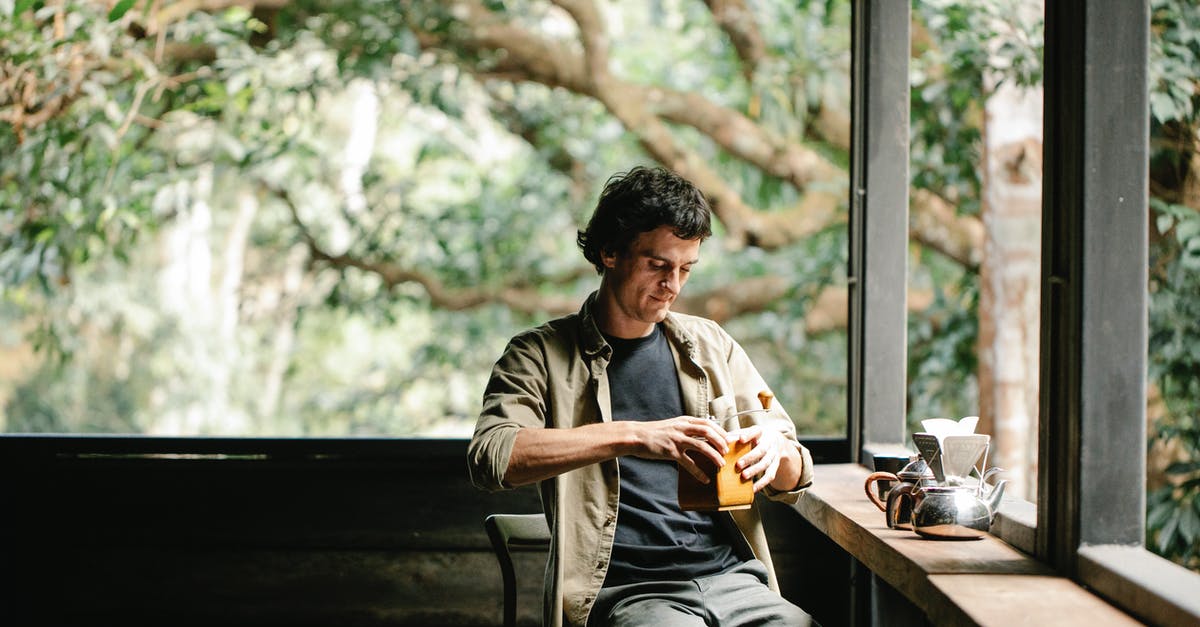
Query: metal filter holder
[[931, 450]]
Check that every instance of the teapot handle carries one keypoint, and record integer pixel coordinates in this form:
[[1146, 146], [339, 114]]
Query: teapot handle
[[871, 479]]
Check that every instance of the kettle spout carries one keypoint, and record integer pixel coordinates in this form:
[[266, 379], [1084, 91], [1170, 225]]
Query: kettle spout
[[993, 499]]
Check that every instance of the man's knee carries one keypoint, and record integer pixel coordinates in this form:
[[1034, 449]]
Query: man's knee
[[654, 611]]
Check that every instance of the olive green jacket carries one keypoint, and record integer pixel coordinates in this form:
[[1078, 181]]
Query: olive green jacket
[[555, 376]]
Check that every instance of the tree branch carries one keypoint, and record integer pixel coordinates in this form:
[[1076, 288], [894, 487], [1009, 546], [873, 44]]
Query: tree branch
[[524, 57], [557, 156], [830, 310], [934, 223], [594, 38], [182, 8], [745, 296], [756, 294], [520, 297], [527, 57], [737, 20]]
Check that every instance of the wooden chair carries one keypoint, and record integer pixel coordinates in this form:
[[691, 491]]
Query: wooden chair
[[507, 531]]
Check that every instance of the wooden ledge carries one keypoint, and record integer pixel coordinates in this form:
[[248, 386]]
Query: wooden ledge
[[979, 582]]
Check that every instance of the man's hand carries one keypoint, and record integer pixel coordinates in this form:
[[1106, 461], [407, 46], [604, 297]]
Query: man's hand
[[771, 451], [673, 438]]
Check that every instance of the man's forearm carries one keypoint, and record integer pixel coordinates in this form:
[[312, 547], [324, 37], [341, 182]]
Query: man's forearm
[[541, 453]]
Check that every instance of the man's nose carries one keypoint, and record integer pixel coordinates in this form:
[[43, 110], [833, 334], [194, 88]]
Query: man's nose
[[672, 281]]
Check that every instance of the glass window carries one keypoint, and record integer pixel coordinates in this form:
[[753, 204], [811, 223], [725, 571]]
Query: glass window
[[329, 223], [974, 269], [1173, 388]]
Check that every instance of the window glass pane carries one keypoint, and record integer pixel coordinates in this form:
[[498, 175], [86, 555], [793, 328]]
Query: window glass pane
[[976, 222], [328, 222], [1173, 403]]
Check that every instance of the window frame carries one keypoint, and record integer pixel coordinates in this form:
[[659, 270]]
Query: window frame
[[1089, 521], [878, 267]]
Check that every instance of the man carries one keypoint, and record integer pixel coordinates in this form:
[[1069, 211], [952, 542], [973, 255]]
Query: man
[[605, 407]]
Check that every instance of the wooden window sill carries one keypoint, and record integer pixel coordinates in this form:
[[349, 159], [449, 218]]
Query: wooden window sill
[[981, 582]]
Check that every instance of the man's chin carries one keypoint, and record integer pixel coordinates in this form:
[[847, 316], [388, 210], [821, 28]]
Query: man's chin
[[656, 310]]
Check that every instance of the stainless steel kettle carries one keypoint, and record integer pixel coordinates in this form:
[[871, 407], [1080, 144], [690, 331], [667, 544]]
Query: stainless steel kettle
[[955, 512]]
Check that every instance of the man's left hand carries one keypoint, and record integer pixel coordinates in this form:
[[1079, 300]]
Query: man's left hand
[[770, 449]]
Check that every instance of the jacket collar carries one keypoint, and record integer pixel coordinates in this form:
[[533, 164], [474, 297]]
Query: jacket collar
[[593, 343], [680, 334], [591, 340]]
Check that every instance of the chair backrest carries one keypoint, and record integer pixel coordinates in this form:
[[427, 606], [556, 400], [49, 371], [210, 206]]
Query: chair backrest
[[514, 530]]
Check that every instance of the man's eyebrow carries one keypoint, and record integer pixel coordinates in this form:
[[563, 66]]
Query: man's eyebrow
[[666, 260]]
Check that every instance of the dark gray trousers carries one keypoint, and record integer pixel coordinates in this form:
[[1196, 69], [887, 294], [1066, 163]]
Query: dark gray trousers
[[737, 598]]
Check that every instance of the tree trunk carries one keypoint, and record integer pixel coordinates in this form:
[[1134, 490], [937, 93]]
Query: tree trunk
[[291, 284], [1010, 283], [186, 294]]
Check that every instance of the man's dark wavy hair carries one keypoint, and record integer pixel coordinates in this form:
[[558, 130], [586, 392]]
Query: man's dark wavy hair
[[639, 201]]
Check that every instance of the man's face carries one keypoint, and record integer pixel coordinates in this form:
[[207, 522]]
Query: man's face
[[644, 281]]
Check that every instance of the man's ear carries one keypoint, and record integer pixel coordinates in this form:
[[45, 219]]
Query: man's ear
[[608, 258]]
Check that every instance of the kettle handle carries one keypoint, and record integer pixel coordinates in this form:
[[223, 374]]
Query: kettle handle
[[878, 475]]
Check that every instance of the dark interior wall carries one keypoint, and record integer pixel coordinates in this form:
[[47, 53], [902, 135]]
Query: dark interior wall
[[301, 538], [813, 571]]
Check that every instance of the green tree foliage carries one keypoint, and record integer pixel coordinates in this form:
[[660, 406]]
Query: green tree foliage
[[1173, 521]]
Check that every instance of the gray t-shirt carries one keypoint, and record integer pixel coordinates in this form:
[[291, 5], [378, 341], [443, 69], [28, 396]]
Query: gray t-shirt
[[655, 540]]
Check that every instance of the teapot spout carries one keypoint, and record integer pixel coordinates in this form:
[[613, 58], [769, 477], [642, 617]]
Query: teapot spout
[[993, 498]]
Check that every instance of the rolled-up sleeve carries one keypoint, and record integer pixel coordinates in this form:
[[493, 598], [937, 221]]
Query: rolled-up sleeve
[[806, 479], [515, 398], [750, 384]]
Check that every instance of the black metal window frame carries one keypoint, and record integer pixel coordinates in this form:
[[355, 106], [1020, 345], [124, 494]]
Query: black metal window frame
[[878, 270]]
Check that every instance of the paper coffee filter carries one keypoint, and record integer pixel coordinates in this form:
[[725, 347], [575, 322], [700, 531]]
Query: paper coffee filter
[[960, 452], [942, 427]]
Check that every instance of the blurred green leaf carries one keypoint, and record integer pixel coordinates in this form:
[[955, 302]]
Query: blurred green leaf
[[120, 9], [1181, 468]]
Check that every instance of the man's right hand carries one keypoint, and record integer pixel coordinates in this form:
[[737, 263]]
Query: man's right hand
[[674, 438]]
